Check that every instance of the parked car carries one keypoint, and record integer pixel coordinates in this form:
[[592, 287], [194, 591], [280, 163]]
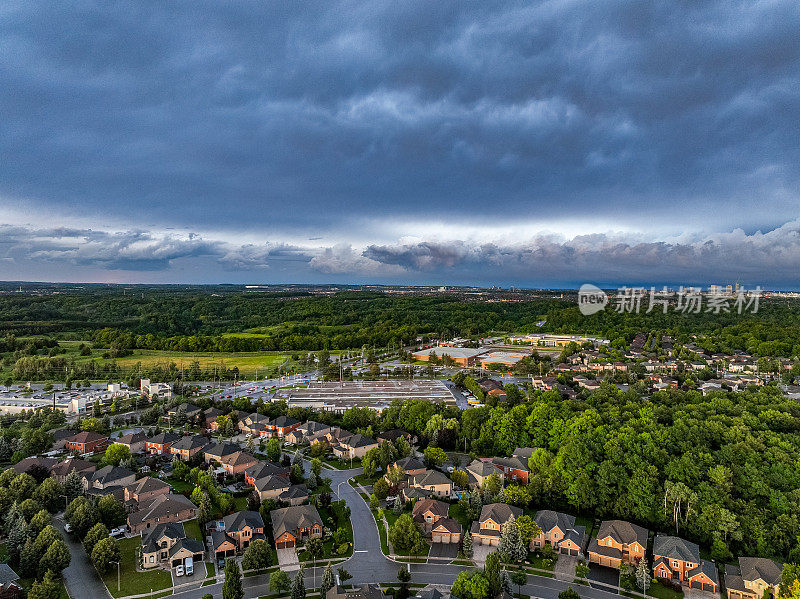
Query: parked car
[[67, 528], [118, 532], [179, 570]]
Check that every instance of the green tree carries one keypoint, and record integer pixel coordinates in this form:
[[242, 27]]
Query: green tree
[[72, 486], [519, 578], [279, 582], [49, 494], [344, 575], [582, 570], [435, 457], [56, 558], [232, 587], [274, 449], [39, 521], [404, 534], [105, 552], [97, 533], [381, 489], [470, 584], [466, 545], [46, 588], [257, 555], [115, 453], [491, 570], [569, 593], [527, 529], [643, 575], [298, 590], [112, 512]]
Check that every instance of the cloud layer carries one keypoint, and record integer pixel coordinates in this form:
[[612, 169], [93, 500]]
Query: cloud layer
[[258, 126]]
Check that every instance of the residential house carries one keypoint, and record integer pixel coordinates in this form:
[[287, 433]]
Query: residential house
[[364, 591], [60, 436], [26, 464], [254, 424], [432, 516], [393, 435], [304, 432], [87, 442], [161, 443], [167, 546], [292, 525], [617, 541], [144, 489], [752, 578], [281, 426], [243, 527], [135, 442], [704, 577], [674, 558], [271, 487], [513, 468], [61, 470], [189, 446], [354, 446], [222, 545], [108, 477], [262, 469], [161, 509], [236, 463], [217, 451], [560, 531], [479, 470], [190, 411], [295, 495], [410, 465], [486, 531], [10, 586], [434, 482]]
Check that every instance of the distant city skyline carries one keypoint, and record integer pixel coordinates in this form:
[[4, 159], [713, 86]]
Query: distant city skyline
[[521, 144]]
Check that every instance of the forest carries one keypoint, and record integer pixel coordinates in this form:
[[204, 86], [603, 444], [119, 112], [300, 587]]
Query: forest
[[219, 320]]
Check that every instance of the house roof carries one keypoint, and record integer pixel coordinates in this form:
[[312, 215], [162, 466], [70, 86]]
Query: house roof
[[189, 544], [272, 482], [290, 519], [549, 519], [26, 464], [130, 438], [595, 547], [218, 537], [188, 408], [438, 508], [237, 458], [431, 477], [499, 512], [160, 506], [481, 468], [365, 591], [676, 548], [409, 463], [623, 532], [86, 437], [147, 484], [108, 474], [512, 462], [70, 465], [294, 492], [393, 435], [359, 440], [707, 568], [753, 568], [238, 520], [524, 453], [449, 524], [164, 438], [284, 421], [190, 442], [221, 449], [7, 574], [262, 469], [312, 427]]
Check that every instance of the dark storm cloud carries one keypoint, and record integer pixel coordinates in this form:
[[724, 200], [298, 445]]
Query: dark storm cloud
[[276, 117]]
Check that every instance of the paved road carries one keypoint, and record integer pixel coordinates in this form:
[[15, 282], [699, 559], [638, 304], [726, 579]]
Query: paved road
[[80, 576]]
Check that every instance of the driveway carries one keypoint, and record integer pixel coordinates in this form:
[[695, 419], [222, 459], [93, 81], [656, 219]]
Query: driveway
[[449, 550], [565, 567], [481, 552], [288, 560], [603, 574], [197, 577]]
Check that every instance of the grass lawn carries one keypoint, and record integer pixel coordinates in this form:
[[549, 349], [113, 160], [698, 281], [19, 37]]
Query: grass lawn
[[458, 513], [240, 503], [192, 529], [541, 563], [210, 571], [180, 485], [133, 582], [367, 480], [338, 464], [659, 591]]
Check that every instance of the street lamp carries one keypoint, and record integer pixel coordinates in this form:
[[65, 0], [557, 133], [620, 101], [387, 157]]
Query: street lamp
[[113, 562]]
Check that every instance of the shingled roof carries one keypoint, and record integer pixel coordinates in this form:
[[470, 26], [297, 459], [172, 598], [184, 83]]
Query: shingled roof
[[676, 548], [290, 519]]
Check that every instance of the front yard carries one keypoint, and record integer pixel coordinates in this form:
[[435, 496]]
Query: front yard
[[332, 522], [133, 582]]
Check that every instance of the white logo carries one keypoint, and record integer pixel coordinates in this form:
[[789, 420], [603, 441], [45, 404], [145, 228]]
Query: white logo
[[591, 299]]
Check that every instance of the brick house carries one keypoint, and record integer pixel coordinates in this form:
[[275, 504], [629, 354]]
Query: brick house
[[432, 516], [161, 443], [292, 525], [486, 531], [135, 442], [434, 482], [61, 470], [87, 442], [617, 541], [217, 451], [262, 469], [354, 446], [271, 487], [513, 468], [243, 527], [167, 546], [559, 531], [108, 477], [189, 446], [478, 471], [674, 558], [236, 463]]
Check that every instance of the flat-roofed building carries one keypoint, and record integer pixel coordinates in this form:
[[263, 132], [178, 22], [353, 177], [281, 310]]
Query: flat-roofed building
[[377, 395], [463, 356]]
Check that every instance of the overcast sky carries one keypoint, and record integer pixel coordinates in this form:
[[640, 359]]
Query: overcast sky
[[531, 143]]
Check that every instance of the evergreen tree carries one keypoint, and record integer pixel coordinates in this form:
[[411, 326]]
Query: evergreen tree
[[643, 576], [505, 581], [511, 547], [298, 585], [327, 580], [17, 536], [466, 545], [398, 506], [232, 587], [72, 486], [492, 573]]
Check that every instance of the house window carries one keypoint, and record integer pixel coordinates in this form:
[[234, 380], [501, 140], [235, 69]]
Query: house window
[[609, 543], [152, 558], [674, 563]]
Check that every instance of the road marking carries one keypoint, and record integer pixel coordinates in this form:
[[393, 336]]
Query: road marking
[[361, 551]]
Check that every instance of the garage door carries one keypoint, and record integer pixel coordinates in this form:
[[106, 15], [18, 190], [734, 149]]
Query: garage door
[[573, 552], [708, 587], [437, 538], [284, 544], [696, 585], [494, 542]]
